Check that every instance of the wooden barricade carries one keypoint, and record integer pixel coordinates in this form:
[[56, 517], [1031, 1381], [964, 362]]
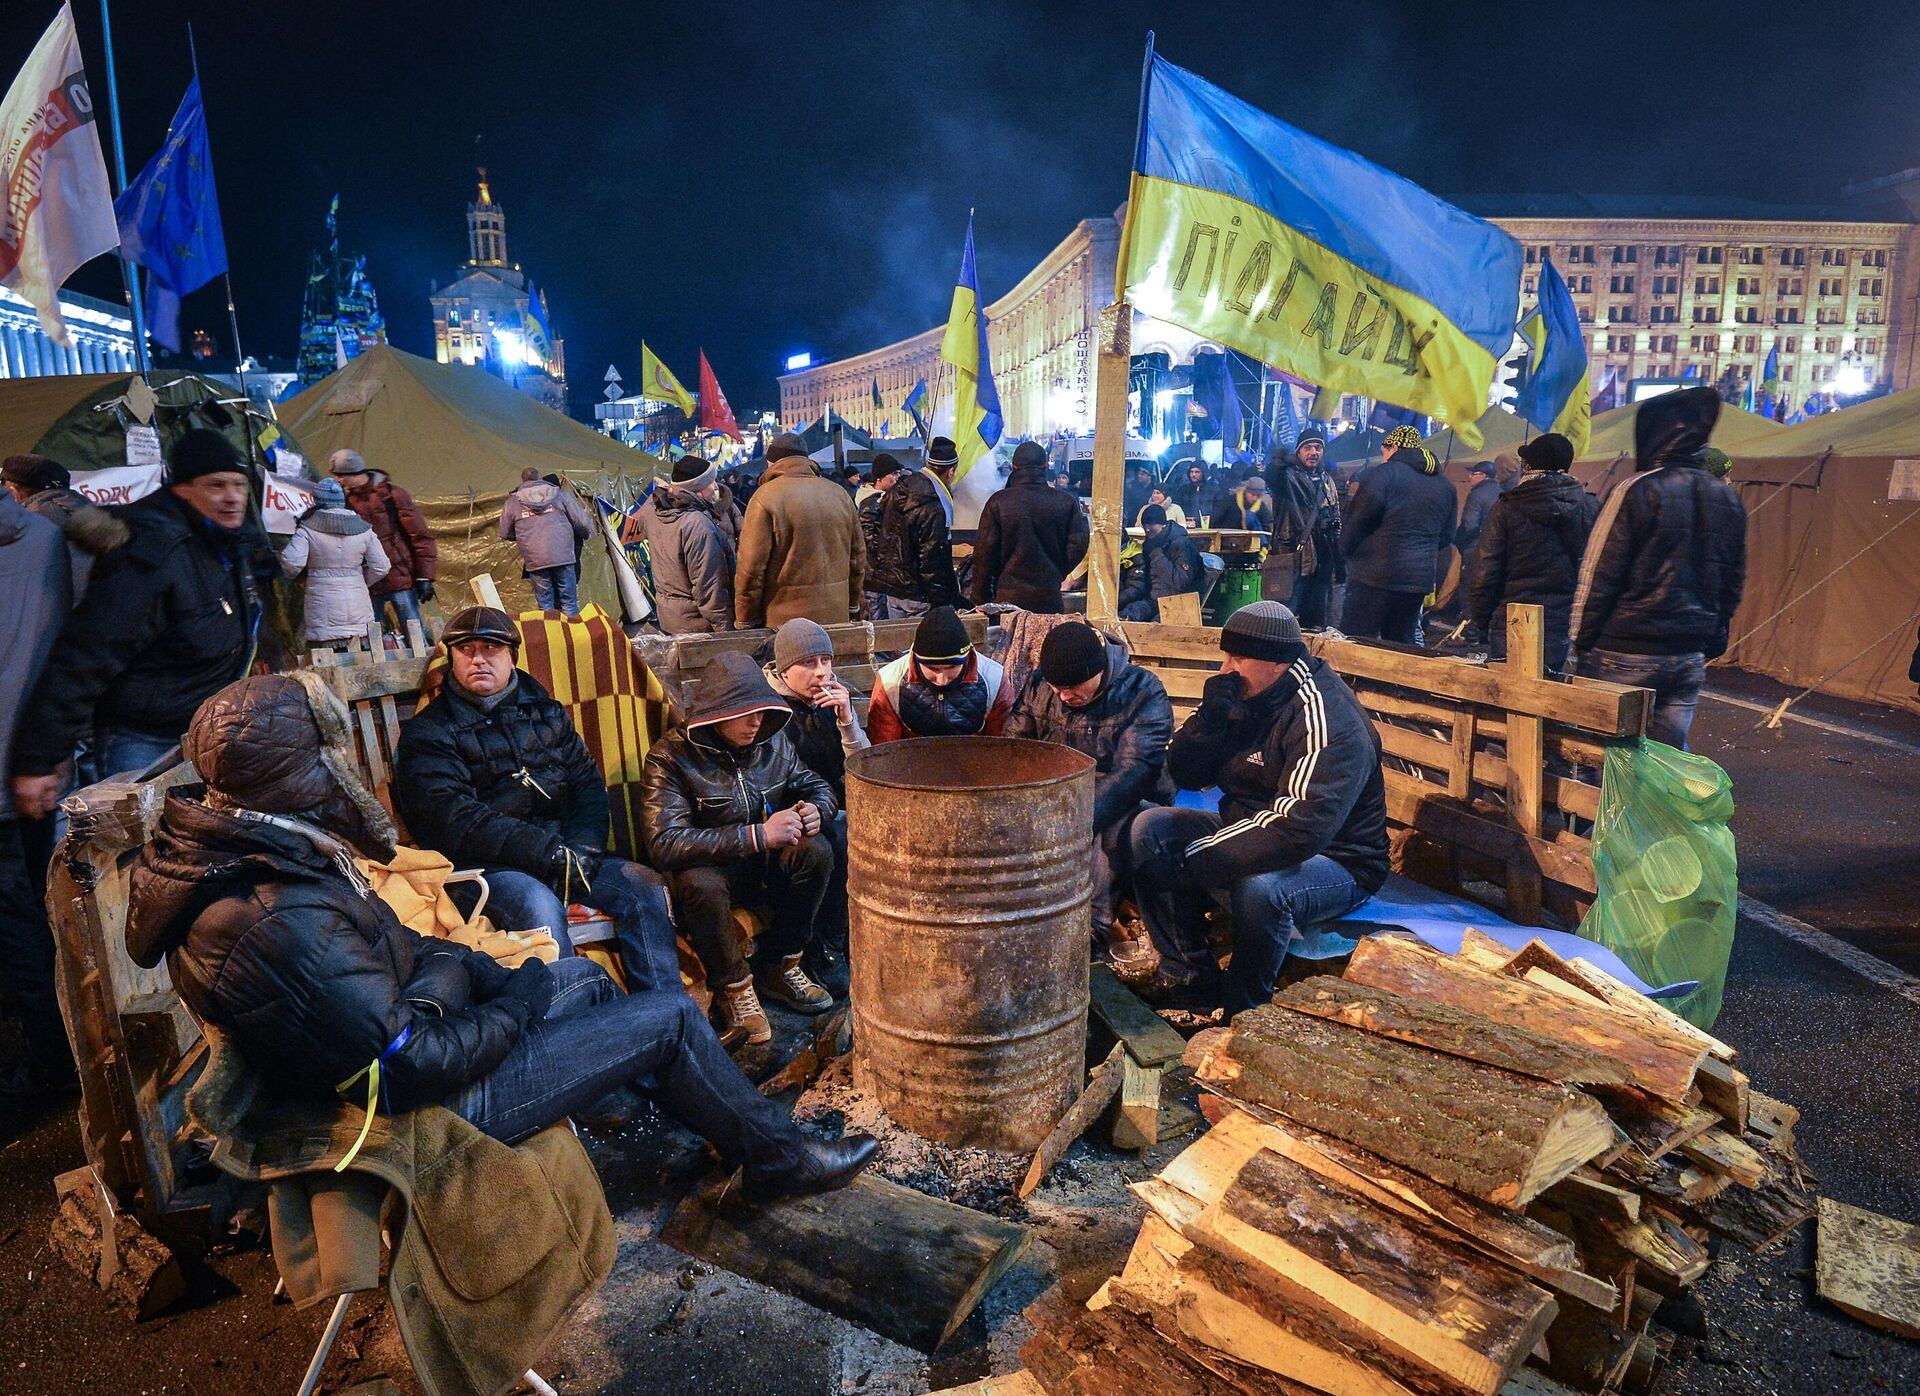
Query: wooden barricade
[[1492, 770]]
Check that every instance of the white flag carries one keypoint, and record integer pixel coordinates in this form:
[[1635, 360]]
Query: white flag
[[57, 212]]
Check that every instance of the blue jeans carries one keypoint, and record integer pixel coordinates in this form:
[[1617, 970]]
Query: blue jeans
[[1112, 870], [1676, 681], [406, 607], [120, 751], [1268, 908], [632, 893], [595, 1038], [557, 588]]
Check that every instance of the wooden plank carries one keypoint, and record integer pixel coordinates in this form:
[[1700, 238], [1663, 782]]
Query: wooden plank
[[1494, 1135], [1526, 757], [1112, 379], [1461, 755], [1094, 1098], [1662, 1067], [485, 592], [1588, 1351], [1724, 1088], [417, 646], [1136, 1124], [908, 1266], [1444, 1028], [1585, 1192], [1562, 792], [1718, 1150], [389, 678], [1149, 1040], [1618, 996], [370, 746], [1113, 1351], [1425, 807], [1183, 609]]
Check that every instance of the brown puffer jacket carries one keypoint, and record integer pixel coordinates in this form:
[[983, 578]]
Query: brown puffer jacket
[[801, 552], [402, 529]]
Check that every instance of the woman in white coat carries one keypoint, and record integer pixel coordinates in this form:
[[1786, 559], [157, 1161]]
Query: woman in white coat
[[342, 557]]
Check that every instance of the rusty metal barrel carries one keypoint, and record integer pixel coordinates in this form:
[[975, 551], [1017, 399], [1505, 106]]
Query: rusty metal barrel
[[969, 875]]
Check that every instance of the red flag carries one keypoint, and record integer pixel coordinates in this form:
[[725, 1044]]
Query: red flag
[[715, 415]]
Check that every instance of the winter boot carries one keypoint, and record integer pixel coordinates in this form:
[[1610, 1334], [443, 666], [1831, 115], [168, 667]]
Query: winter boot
[[741, 1016], [790, 986]]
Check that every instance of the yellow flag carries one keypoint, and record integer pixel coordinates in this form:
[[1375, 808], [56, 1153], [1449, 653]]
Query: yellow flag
[[657, 383]]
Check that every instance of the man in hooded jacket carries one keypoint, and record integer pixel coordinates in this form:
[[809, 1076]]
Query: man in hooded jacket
[[1169, 565], [734, 817], [269, 932], [1665, 566], [1396, 534], [688, 552], [1031, 536], [547, 524], [1529, 549]]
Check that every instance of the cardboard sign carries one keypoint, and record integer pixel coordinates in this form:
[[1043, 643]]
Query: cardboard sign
[[143, 445], [282, 502], [120, 484]]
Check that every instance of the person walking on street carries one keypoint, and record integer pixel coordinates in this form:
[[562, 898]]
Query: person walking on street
[[343, 560], [1031, 536], [1396, 535], [801, 553], [688, 553], [45, 488], [1665, 566], [413, 557], [168, 619], [1529, 552], [914, 567], [35, 578], [547, 523]]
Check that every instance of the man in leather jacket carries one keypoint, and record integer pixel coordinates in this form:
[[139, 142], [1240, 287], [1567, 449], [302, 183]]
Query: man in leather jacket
[[269, 932], [734, 817]]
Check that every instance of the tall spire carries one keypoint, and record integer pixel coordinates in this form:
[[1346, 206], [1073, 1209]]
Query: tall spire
[[486, 229]]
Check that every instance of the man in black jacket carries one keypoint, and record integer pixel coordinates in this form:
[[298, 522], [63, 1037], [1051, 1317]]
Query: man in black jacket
[[271, 934], [735, 817], [169, 618], [1169, 565], [1301, 836], [1529, 550], [1396, 536], [1665, 567], [493, 774], [1089, 696], [1030, 537], [914, 569]]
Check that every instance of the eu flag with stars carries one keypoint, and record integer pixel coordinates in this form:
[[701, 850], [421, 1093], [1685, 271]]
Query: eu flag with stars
[[170, 219]]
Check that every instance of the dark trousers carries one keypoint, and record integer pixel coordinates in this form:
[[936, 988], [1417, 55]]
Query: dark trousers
[[633, 894], [26, 957], [1676, 681], [1374, 613], [1267, 908], [595, 1038], [1112, 869], [1313, 598], [788, 884]]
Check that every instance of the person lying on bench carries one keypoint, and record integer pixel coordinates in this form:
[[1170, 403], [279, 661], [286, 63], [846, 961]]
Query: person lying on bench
[[734, 817], [493, 775], [252, 896], [1301, 836]]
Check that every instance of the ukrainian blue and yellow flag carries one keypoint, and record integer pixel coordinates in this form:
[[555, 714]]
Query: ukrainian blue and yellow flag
[[976, 406], [1311, 259], [1555, 393]]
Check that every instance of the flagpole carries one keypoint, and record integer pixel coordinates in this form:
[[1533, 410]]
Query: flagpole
[[233, 316], [120, 172]]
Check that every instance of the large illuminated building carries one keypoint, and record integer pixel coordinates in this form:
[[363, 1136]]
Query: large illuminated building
[[99, 338], [494, 316], [1670, 288]]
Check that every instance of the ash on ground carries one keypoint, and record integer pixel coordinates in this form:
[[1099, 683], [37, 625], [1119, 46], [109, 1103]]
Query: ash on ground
[[982, 1179]]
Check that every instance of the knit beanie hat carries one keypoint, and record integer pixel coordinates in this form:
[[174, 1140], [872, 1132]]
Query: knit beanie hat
[[941, 453], [1550, 451], [884, 464], [1717, 462], [693, 473], [799, 640], [1029, 453], [1401, 436], [35, 473], [1310, 434], [1072, 653], [202, 451], [328, 495], [1265, 630], [784, 445], [941, 638], [1151, 515]]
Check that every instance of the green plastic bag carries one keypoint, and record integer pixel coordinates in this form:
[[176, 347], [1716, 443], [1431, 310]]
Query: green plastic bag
[[1664, 861]]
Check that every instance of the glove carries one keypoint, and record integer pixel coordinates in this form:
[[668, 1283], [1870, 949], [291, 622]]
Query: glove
[[532, 985], [424, 589], [577, 880], [1222, 701]]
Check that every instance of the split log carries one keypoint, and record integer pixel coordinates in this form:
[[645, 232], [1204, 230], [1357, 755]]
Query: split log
[[1622, 998], [1868, 1265], [1662, 1064], [1773, 1120], [1099, 1094], [137, 1272], [1076, 1351], [1758, 1217], [1656, 1241], [1494, 1135], [1720, 1151], [1586, 1193], [908, 1266], [1444, 1028], [1656, 1127], [1724, 1089]]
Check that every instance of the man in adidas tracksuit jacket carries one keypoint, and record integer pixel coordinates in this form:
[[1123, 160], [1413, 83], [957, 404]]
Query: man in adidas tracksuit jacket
[[1301, 836]]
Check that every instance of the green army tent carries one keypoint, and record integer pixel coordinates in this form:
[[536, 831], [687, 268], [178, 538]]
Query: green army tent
[[457, 437]]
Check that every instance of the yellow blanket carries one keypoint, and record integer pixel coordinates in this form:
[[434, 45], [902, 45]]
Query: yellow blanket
[[414, 886]]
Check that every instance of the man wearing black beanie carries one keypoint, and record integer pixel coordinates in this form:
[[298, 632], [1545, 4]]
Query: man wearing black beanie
[[1089, 696], [1301, 833], [942, 687], [169, 618]]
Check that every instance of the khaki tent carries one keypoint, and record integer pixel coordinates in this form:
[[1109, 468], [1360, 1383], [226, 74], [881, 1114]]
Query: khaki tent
[[1833, 550], [457, 437]]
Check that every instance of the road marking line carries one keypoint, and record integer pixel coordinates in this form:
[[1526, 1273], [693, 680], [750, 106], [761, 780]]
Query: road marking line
[[1837, 729], [1868, 966]]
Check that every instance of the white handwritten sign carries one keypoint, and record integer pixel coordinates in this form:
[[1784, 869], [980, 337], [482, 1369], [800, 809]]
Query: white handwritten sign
[[143, 446], [282, 502], [120, 484]]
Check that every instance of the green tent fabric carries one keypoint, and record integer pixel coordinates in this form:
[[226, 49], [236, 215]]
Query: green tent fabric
[[1737, 432], [69, 418], [1883, 426], [457, 437]]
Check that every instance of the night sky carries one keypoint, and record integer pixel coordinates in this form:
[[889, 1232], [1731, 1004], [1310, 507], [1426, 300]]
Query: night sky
[[762, 178]]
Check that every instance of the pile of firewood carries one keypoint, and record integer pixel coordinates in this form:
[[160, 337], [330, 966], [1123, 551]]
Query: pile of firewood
[[1480, 1173]]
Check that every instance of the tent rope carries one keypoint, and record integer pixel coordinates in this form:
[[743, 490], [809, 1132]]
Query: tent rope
[[1785, 485], [1756, 629], [1772, 719]]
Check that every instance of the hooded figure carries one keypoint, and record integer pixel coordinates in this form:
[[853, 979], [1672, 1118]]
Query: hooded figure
[[1529, 550], [1396, 536], [343, 560], [689, 553], [545, 521], [735, 817], [1666, 565]]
